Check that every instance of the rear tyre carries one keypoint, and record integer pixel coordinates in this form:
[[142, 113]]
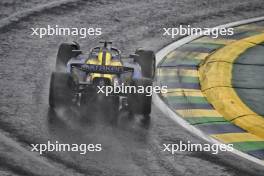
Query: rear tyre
[[114, 111], [60, 93], [147, 61], [88, 105], [140, 103], [65, 54]]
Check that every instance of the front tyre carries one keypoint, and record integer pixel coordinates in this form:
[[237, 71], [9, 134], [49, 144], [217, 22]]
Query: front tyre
[[140, 103], [65, 53], [146, 59]]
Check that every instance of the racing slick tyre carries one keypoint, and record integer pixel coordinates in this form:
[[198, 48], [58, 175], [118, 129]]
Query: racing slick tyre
[[146, 59], [60, 93], [140, 103], [114, 111], [65, 53]]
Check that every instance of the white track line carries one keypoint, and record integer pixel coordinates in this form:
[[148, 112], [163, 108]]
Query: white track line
[[170, 113]]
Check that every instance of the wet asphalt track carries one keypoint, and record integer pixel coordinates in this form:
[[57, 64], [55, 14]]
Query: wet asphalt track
[[132, 148]]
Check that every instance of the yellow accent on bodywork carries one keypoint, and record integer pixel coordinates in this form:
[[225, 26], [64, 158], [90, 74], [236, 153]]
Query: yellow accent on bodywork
[[99, 61]]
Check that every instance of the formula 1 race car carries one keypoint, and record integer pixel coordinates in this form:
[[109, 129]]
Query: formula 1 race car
[[81, 79]]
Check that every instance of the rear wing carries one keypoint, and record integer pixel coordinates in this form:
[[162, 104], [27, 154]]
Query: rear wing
[[103, 69]]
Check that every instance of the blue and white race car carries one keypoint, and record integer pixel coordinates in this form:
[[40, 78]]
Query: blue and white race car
[[81, 79]]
